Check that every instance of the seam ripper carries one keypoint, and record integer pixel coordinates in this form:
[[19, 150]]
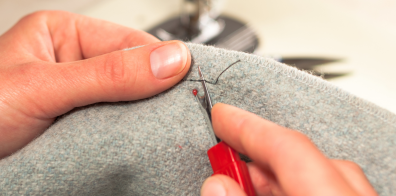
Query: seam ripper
[[222, 157]]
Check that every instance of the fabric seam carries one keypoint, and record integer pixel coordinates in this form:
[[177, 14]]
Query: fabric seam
[[311, 81]]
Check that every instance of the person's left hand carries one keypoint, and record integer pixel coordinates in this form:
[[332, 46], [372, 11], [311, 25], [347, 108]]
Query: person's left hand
[[52, 62]]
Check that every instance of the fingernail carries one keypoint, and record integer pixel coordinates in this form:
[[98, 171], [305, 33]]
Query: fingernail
[[168, 60], [213, 188]]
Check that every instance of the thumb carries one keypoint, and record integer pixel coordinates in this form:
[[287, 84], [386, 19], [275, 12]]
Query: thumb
[[117, 76], [221, 185]]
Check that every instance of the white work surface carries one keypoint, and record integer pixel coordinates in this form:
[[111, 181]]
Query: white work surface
[[360, 32]]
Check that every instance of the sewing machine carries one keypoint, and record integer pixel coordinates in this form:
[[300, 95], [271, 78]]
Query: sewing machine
[[200, 21]]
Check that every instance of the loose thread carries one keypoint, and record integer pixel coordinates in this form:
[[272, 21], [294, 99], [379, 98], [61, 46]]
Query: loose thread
[[217, 79]]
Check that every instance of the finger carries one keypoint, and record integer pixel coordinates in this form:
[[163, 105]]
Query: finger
[[59, 36], [298, 165], [221, 185], [118, 76], [264, 182], [91, 37], [355, 177]]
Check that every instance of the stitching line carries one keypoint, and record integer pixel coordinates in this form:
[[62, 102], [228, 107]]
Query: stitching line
[[309, 80]]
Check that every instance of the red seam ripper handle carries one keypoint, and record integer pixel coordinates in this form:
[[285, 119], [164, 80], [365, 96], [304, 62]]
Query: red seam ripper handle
[[226, 161]]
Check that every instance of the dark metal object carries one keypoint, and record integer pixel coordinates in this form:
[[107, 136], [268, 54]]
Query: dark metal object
[[329, 75], [231, 25], [200, 26], [306, 63], [310, 63]]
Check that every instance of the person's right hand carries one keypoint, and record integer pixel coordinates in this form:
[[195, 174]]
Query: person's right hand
[[54, 61], [285, 162]]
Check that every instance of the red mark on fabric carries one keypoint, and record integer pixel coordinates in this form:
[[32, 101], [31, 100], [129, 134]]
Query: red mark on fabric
[[195, 92], [180, 147]]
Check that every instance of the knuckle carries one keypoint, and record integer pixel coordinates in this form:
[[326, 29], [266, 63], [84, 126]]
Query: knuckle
[[293, 137], [112, 73], [352, 166], [37, 15], [292, 140], [299, 136], [44, 14]]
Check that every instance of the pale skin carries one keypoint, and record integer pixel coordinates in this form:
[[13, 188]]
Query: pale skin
[[285, 162], [55, 61]]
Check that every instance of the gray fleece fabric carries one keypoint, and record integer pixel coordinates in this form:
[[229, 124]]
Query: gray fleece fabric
[[157, 146]]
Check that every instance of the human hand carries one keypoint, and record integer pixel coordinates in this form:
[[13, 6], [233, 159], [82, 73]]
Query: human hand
[[54, 61], [285, 162]]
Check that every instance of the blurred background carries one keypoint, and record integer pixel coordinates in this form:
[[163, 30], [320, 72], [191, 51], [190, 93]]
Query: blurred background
[[360, 32]]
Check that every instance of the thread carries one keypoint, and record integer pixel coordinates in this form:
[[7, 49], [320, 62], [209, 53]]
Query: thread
[[217, 79]]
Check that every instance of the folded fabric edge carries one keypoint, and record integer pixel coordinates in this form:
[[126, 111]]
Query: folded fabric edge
[[305, 78]]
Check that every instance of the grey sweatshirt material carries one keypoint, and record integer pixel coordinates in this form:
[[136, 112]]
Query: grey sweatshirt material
[[157, 146]]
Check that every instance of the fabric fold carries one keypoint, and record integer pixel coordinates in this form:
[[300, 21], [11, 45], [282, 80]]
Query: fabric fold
[[157, 146]]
